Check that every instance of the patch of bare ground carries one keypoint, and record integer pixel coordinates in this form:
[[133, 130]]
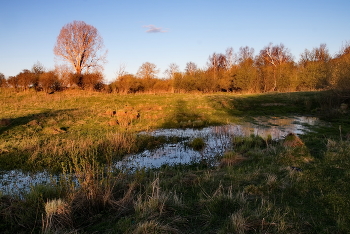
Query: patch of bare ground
[[123, 116]]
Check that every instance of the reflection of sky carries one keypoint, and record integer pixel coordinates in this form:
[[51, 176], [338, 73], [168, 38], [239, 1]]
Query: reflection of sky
[[15, 181], [217, 139]]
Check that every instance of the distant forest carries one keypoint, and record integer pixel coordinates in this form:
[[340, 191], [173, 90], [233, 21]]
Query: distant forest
[[272, 69]]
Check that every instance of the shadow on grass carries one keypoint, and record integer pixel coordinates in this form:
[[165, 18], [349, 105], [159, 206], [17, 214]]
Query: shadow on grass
[[283, 105], [22, 128], [183, 117], [32, 119], [269, 104]]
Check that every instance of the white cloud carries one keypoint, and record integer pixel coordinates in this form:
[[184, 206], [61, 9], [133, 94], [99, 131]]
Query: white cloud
[[154, 29]]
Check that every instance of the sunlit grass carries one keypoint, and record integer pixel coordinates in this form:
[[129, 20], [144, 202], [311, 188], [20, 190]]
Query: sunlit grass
[[261, 186]]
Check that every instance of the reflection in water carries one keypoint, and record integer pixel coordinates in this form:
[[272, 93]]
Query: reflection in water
[[217, 139], [16, 181]]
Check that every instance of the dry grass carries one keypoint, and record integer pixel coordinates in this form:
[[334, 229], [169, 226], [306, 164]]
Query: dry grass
[[154, 227], [292, 140], [231, 159], [57, 218]]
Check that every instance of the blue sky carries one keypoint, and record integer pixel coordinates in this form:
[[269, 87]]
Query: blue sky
[[189, 30]]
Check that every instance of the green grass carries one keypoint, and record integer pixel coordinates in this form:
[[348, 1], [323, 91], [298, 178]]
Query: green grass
[[261, 186]]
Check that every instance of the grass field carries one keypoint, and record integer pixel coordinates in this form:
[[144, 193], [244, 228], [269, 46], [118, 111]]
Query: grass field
[[262, 186]]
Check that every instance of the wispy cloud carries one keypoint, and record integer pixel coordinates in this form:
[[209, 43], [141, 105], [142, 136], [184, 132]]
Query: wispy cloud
[[154, 29]]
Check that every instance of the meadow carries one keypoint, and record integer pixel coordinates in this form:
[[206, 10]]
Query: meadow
[[261, 186]]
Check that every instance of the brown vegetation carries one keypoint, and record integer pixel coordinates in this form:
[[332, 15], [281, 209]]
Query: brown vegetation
[[80, 44], [273, 69], [292, 140]]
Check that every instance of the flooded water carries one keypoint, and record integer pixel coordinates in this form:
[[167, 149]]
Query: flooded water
[[217, 140], [16, 181]]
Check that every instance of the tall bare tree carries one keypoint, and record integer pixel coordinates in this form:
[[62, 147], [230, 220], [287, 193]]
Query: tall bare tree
[[80, 45], [275, 55], [172, 70], [320, 54], [147, 71], [217, 63], [245, 53], [230, 57], [121, 70], [191, 68], [37, 70]]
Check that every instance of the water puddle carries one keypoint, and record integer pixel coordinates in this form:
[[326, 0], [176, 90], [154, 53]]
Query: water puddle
[[17, 182], [217, 140]]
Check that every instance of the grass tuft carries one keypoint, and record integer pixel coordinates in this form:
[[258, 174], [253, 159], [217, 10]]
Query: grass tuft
[[197, 144]]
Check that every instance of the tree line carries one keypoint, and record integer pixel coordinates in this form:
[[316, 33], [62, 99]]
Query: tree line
[[273, 68]]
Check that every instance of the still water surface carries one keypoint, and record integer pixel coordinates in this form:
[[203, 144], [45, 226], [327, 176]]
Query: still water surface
[[217, 140]]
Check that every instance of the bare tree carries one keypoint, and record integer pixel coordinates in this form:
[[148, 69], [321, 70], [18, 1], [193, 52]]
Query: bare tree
[[218, 62], [80, 45], [217, 65], [344, 50], [3, 82], [148, 71], [37, 70], [191, 68], [230, 57], [320, 54], [275, 56], [245, 53], [172, 70], [121, 71]]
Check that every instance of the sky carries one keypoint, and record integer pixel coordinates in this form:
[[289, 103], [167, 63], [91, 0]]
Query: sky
[[168, 31]]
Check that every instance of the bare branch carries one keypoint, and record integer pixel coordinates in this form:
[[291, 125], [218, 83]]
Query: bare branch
[[80, 45]]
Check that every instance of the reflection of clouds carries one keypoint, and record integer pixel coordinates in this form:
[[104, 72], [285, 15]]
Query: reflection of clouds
[[218, 139]]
